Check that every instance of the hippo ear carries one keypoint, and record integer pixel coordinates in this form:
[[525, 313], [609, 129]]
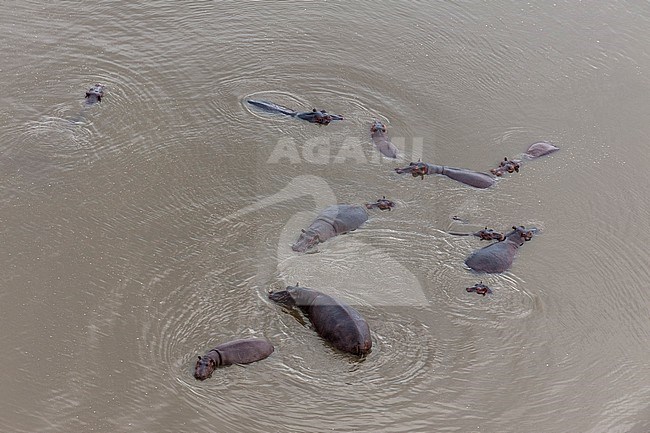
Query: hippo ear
[[302, 231], [199, 357]]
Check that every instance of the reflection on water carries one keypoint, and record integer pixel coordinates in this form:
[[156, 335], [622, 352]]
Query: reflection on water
[[141, 231]]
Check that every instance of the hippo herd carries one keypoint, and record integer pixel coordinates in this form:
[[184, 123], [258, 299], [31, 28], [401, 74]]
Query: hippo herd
[[336, 322]]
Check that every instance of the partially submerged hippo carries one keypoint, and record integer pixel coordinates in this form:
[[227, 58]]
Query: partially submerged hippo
[[336, 220], [381, 140], [479, 288], [243, 351], [321, 117], [485, 234], [540, 148], [535, 150], [498, 256], [463, 175], [95, 94], [506, 166], [334, 321]]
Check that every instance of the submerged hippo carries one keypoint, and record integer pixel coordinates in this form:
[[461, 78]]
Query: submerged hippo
[[535, 150], [334, 321], [381, 140], [336, 220], [95, 94], [463, 175], [479, 288], [242, 351], [506, 166], [485, 234], [498, 256], [321, 117], [540, 148]]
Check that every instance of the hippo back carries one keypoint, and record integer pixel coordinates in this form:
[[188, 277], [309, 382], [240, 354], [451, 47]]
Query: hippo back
[[344, 217], [340, 324], [244, 351], [494, 258], [540, 148], [334, 321]]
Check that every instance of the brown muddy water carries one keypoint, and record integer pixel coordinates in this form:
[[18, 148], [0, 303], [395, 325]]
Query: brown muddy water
[[140, 232]]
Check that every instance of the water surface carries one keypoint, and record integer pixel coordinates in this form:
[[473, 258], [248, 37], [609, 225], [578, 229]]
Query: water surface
[[152, 228]]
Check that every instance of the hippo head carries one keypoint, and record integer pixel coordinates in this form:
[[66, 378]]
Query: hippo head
[[479, 288], [321, 117], [489, 234], [283, 297], [381, 204], [378, 126], [506, 166], [205, 365], [95, 93], [520, 234], [308, 238], [415, 168]]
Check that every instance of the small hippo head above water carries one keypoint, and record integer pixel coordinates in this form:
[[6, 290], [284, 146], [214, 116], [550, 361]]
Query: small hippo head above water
[[489, 234], [378, 127], [506, 166], [479, 288], [205, 365], [95, 94], [307, 240], [415, 168], [321, 117], [381, 204], [520, 234]]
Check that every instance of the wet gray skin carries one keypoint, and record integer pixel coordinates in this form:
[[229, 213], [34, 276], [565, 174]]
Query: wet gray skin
[[243, 351], [333, 320], [321, 117], [497, 257], [335, 220], [463, 175]]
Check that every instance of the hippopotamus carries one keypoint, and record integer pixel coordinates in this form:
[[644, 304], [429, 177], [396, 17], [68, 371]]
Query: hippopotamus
[[485, 234], [498, 256], [479, 288], [321, 117], [463, 175], [506, 166], [381, 140], [243, 351], [535, 150], [540, 148], [334, 321], [95, 94], [336, 220]]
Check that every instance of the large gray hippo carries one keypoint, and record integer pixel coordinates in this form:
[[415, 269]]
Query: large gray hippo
[[463, 175], [334, 321], [498, 256], [336, 220], [243, 351], [381, 140]]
